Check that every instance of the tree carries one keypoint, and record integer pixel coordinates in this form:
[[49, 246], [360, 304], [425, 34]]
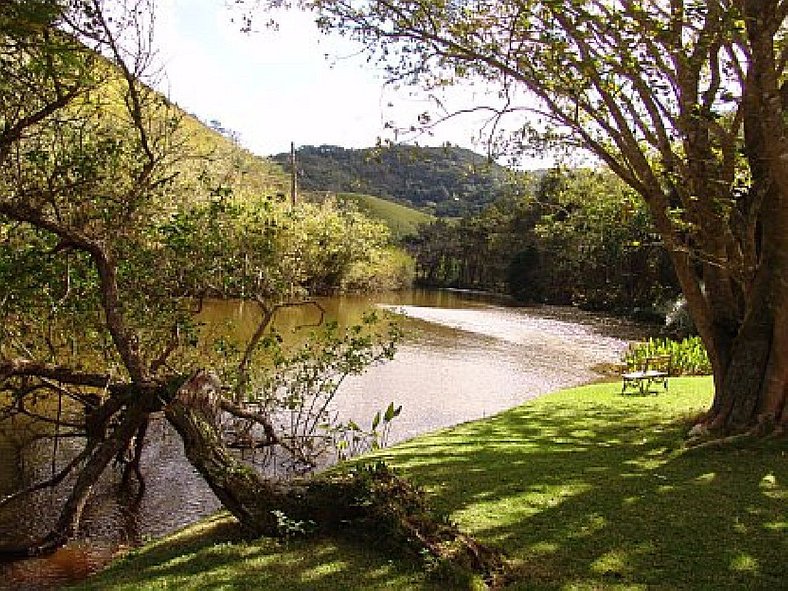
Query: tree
[[597, 243], [685, 101], [102, 265]]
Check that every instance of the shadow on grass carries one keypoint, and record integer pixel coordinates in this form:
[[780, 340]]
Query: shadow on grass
[[215, 554], [584, 489], [598, 491]]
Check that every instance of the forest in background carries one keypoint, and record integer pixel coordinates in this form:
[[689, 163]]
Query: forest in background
[[561, 236], [446, 181], [574, 237]]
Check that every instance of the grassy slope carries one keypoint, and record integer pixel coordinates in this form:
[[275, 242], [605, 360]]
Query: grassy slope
[[250, 175], [401, 220], [583, 489], [205, 156]]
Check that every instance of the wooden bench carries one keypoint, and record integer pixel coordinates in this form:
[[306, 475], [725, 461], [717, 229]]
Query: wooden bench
[[653, 370]]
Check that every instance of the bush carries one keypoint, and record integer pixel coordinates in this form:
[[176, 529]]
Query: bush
[[689, 356]]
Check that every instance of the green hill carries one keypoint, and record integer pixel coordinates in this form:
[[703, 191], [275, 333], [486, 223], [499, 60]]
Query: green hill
[[444, 181], [206, 157], [221, 161], [401, 220]]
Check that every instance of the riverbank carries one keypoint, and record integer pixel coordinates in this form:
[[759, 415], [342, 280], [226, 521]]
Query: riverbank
[[582, 489]]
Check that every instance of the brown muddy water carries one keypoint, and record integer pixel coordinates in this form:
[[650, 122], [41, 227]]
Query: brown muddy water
[[466, 356]]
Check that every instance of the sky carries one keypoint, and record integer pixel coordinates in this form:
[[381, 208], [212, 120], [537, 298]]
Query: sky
[[277, 86]]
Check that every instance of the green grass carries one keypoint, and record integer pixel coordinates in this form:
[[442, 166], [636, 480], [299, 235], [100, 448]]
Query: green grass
[[582, 489], [401, 220]]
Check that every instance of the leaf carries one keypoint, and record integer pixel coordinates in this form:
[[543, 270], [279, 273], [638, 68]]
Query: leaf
[[392, 412]]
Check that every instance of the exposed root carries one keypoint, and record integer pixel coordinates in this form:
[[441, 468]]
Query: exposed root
[[705, 436], [369, 501]]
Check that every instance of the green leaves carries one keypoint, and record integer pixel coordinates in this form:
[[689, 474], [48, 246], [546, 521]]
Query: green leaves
[[391, 413]]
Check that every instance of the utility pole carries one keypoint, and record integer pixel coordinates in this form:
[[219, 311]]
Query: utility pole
[[293, 176]]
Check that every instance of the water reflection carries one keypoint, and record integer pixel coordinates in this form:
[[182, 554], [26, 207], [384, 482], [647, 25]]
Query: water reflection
[[466, 356]]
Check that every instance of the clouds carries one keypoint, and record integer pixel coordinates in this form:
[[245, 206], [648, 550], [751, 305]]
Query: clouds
[[273, 86]]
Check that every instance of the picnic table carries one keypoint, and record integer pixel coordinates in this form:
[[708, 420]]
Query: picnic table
[[653, 370]]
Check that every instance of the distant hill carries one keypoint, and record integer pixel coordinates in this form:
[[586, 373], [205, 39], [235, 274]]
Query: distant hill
[[444, 181], [401, 220]]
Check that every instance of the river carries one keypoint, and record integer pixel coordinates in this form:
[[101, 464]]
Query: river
[[465, 356]]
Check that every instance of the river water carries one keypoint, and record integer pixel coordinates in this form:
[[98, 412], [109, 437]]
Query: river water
[[465, 356]]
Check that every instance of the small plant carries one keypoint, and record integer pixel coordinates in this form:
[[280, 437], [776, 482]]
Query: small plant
[[294, 388], [688, 356], [350, 440], [292, 528]]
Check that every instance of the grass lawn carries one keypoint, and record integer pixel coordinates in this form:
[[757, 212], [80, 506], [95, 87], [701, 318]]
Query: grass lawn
[[582, 489]]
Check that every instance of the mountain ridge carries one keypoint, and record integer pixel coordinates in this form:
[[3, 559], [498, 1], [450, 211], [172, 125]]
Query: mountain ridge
[[446, 181]]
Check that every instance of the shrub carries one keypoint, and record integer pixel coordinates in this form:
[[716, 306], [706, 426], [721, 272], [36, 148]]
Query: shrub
[[689, 356]]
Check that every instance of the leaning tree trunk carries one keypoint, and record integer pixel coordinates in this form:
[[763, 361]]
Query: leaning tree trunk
[[194, 413], [369, 501]]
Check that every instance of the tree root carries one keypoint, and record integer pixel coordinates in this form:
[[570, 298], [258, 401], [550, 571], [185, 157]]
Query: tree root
[[373, 501], [367, 500], [705, 436]]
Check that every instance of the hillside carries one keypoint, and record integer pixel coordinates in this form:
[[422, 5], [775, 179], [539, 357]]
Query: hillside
[[220, 161], [401, 220], [445, 181], [206, 158]]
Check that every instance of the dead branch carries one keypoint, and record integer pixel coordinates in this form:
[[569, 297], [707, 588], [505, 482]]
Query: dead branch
[[50, 482]]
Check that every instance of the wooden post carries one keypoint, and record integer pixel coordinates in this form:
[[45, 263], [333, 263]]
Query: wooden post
[[293, 176]]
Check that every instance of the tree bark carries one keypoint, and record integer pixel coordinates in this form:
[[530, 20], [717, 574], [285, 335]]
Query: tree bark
[[751, 369], [752, 387], [366, 501]]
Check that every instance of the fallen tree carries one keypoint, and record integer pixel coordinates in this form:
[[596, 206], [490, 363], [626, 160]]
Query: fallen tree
[[100, 297]]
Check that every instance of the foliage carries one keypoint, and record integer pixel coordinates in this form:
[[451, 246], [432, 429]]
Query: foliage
[[327, 248], [596, 243], [234, 247], [577, 236], [350, 440], [581, 489], [688, 356], [402, 221], [444, 181], [684, 101], [295, 387]]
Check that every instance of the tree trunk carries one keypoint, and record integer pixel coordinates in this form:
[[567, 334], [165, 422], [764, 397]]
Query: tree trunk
[[194, 413], [371, 501], [752, 387]]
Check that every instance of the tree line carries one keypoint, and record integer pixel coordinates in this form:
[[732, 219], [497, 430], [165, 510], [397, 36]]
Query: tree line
[[445, 181], [574, 237]]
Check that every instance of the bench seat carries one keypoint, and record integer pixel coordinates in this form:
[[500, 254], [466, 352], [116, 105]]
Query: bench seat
[[653, 370]]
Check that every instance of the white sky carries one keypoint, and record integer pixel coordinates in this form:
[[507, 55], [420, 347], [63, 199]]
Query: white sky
[[274, 87]]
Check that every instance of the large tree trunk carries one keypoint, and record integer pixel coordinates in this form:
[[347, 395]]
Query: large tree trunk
[[752, 383], [751, 389], [751, 375], [372, 501]]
